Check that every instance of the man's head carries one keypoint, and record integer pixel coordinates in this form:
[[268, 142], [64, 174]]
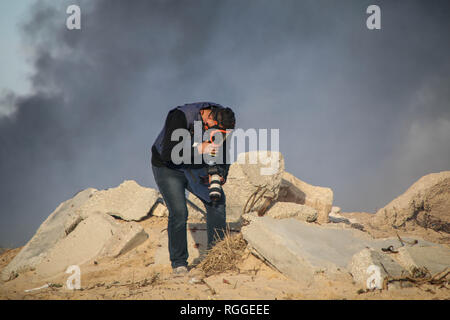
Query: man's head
[[221, 117]]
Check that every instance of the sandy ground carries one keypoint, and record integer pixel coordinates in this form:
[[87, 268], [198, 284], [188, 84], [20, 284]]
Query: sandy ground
[[409, 230], [136, 276]]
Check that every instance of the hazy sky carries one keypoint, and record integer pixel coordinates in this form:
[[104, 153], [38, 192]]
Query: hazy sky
[[14, 71], [365, 112]]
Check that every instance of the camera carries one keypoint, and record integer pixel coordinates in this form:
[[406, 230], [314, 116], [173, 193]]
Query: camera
[[215, 185]]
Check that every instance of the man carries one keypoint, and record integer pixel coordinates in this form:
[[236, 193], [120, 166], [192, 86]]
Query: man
[[172, 179]]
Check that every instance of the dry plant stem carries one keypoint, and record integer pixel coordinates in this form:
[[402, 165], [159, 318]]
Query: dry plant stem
[[425, 278], [254, 200], [224, 255]]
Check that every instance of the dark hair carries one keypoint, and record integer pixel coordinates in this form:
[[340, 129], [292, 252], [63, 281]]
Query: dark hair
[[225, 117]]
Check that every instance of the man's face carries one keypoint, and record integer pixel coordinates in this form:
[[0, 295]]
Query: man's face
[[208, 118]]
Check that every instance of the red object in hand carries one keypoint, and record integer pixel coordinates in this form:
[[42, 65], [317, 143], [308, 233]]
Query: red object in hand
[[211, 136]]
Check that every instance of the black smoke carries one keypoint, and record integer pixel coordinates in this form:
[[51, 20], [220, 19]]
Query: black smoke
[[363, 112]]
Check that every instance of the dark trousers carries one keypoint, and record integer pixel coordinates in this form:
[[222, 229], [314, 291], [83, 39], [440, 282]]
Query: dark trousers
[[172, 185]]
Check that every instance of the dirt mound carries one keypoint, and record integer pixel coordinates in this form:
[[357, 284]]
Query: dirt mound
[[422, 209], [425, 203], [98, 222]]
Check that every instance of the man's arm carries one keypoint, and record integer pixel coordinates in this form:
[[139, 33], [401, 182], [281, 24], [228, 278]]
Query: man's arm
[[175, 120], [225, 167]]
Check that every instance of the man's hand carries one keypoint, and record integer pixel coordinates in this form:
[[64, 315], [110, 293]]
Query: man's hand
[[207, 147]]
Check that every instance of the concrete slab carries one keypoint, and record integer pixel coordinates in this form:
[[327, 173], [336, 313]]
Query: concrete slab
[[292, 189], [435, 258], [57, 225], [256, 175], [81, 245], [129, 201], [283, 210], [370, 267], [127, 237], [299, 249], [159, 210]]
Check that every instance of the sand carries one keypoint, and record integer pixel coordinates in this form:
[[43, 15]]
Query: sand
[[135, 275]]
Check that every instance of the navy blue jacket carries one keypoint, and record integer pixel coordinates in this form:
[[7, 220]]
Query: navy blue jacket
[[196, 174]]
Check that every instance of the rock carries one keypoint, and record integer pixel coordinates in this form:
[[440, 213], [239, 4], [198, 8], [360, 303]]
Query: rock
[[335, 209], [129, 201], [426, 203], [295, 190], [196, 209], [299, 249], [195, 213], [335, 217], [370, 267], [295, 248], [245, 178], [343, 217], [282, 210], [127, 237], [84, 243], [53, 244], [160, 210], [57, 225], [338, 218], [435, 259]]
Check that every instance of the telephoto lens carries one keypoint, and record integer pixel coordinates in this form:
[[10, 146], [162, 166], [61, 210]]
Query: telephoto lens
[[215, 187]]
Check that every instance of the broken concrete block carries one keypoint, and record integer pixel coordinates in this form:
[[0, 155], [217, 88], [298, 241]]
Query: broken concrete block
[[82, 244], [426, 203], [338, 218], [160, 210], [196, 214], [128, 236], [335, 209], [196, 210], [283, 210], [129, 201], [299, 249], [434, 258], [57, 225], [295, 190], [370, 267], [256, 175]]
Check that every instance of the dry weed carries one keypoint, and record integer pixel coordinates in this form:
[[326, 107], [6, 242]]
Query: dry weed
[[224, 255]]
